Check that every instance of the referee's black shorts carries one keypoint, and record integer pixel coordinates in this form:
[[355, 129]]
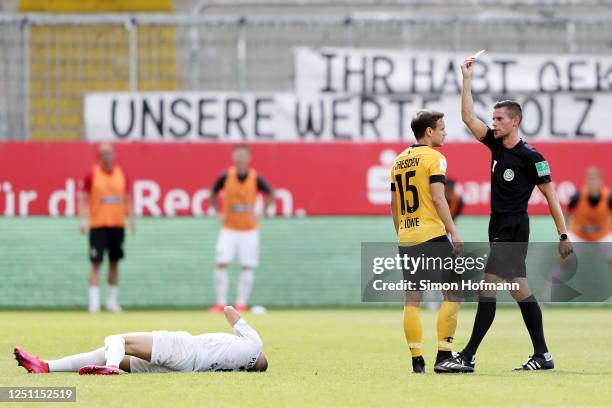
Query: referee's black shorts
[[435, 252], [509, 240], [106, 239]]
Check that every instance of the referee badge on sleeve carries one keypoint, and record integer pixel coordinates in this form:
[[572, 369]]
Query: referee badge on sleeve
[[443, 164], [542, 168]]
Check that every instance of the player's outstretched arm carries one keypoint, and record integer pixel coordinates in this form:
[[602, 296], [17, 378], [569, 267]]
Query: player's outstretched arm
[[231, 315], [476, 126], [565, 247]]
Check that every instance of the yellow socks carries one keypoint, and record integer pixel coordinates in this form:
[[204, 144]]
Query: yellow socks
[[447, 324], [413, 330]]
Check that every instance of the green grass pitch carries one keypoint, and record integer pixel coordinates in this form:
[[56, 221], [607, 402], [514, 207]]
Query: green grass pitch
[[349, 358]]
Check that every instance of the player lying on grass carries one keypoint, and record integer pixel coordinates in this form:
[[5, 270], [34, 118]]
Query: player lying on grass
[[162, 351]]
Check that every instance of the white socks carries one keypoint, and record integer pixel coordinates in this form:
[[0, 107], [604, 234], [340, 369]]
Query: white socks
[[221, 285], [111, 300], [74, 363], [111, 354], [114, 350], [94, 299], [245, 285]]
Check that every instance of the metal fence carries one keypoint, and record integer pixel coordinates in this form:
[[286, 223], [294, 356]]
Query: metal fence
[[49, 62]]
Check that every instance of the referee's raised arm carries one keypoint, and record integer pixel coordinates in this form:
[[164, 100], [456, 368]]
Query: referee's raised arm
[[476, 126]]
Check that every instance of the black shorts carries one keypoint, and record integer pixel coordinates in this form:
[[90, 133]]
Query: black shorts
[[107, 238], [509, 240], [436, 252]]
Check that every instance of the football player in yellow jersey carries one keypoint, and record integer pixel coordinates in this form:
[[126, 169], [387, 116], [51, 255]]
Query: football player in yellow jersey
[[422, 220]]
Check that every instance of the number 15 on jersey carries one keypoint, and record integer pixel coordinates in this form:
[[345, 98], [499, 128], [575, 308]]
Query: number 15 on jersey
[[407, 192]]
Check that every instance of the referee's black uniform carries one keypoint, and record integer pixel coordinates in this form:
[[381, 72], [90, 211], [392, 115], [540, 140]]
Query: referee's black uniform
[[514, 174]]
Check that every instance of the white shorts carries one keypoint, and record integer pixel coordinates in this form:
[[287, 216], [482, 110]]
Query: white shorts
[[246, 243], [171, 351]]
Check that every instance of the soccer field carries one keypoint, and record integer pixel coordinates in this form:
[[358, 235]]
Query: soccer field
[[329, 358]]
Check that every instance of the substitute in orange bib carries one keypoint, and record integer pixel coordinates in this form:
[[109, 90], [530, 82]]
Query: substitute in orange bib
[[104, 203], [589, 210], [588, 217], [239, 233]]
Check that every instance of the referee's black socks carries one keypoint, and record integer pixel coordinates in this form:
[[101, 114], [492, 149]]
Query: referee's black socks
[[532, 316], [484, 318]]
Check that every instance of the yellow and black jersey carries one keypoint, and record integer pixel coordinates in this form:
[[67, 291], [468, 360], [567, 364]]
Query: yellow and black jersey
[[412, 172]]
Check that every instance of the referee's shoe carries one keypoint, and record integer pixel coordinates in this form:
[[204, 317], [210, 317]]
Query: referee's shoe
[[537, 362]]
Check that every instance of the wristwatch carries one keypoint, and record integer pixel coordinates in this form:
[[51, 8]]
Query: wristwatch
[[563, 237]]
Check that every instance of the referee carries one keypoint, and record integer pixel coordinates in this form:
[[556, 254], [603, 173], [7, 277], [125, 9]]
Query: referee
[[516, 168]]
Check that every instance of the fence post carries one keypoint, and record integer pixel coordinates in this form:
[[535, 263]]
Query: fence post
[[193, 56], [25, 38], [132, 29], [241, 55], [348, 31], [570, 37], [456, 34]]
